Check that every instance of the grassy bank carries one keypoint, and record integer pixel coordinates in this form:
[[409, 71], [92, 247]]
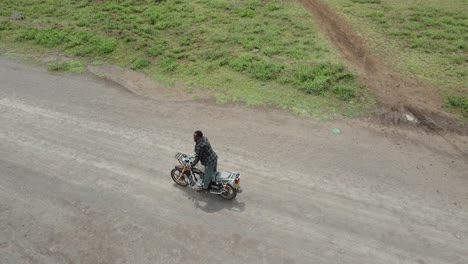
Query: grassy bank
[[265, 52], [426, 39]]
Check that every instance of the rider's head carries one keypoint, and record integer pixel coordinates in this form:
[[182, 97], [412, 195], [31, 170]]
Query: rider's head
[[197, 135]]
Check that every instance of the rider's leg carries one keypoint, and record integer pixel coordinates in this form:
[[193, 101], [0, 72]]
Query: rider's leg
[[210, 170]]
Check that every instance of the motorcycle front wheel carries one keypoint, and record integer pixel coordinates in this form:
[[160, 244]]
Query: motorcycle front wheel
[[229, 194], [178, 178]]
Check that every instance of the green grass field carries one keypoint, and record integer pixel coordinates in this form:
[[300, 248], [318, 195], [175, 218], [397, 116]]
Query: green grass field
[[256, 52], [426, 39], [260, 53]]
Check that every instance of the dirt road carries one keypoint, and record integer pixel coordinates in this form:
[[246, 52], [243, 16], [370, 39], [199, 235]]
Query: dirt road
[[84, 178]]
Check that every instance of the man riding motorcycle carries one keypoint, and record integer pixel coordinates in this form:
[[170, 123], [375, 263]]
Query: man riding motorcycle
[[206, 155]]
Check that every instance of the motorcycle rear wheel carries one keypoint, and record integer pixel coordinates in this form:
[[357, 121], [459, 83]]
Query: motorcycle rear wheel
[[178, 178], [230, 193]]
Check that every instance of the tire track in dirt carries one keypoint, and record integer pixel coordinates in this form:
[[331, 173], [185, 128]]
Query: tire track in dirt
[[398, 97]]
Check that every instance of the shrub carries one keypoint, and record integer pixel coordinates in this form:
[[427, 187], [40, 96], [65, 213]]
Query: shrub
[[270, 51], [161, 25], [345, 92], [273, 7], [140, 63], [316, 86], [104, 45], [168, 64], [155, 50], [25, 34], [318, 79], [264, 71], [5, 25], [241, 63], [458, 102]]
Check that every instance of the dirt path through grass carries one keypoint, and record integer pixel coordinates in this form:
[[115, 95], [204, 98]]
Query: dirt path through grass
[[400, 98]]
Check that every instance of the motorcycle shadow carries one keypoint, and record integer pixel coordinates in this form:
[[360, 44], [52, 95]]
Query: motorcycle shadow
[[210, 203]]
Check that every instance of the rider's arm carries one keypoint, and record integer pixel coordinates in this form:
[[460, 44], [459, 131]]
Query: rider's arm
[[198, 152]]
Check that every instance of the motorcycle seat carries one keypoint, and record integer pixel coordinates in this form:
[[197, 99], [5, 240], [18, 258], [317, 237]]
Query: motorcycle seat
[[222, 175]]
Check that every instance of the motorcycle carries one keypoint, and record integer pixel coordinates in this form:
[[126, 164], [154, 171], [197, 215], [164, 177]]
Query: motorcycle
[[225, 184]]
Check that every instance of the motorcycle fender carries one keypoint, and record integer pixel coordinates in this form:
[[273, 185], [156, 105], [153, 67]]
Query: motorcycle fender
[[231, 184], [238, 190]]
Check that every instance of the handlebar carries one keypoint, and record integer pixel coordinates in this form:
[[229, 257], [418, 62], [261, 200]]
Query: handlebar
[[181, 157]]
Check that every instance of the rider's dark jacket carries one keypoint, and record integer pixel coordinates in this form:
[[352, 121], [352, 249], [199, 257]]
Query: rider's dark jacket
[[204, 153]]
